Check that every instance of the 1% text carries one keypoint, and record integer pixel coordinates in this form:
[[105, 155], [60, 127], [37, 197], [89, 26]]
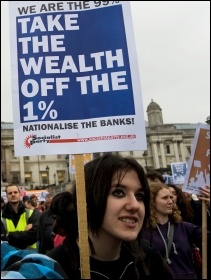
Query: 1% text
[[42, 106]]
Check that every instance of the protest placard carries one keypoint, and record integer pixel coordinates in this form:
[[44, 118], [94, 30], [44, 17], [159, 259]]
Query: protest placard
[[198, 173], [178, 170], [168, 179], [75, 78]]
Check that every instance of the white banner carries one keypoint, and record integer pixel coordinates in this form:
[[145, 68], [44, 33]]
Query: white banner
[[75, 79]]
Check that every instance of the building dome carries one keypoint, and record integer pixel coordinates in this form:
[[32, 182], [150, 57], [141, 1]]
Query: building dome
[[153, 106], [154, 113]]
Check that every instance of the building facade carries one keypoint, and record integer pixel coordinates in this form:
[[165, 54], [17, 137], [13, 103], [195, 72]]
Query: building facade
[[166, 143], [36, 172]]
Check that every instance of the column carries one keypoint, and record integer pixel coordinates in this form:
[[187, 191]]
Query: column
[[176, 150], [155, 154], [163, 157], [182, 150], [7, 162]]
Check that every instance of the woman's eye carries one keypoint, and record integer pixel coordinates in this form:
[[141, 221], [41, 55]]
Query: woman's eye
[[140, 196], [118, 192]]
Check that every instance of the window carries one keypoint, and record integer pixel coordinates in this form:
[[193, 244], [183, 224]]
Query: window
[[59, 156], [167, 148], [28, 177], [42, 157], [26, 158], [61, 176], [15, 178], [189, 149], [44, 177]]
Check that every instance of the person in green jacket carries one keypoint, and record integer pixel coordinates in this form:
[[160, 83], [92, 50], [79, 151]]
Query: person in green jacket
[[18, 225]]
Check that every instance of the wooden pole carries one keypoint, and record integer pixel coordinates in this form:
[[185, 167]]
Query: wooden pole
[[82, 217], [204, 240]]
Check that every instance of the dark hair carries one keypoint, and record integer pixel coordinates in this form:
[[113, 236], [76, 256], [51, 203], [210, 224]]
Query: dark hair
[[25, 198], [65, 214], [98, 180], [155, 176]]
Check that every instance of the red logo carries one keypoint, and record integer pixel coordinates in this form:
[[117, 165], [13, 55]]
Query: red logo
[[27, 141]]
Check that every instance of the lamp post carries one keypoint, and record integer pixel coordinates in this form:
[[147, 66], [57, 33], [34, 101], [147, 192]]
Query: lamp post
[[68, 173], [38, 161], [145, 154], [47, 170], [54, 176]]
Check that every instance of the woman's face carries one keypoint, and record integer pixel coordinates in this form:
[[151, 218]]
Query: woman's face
[[174, 194], [125, 208], [164, 202]]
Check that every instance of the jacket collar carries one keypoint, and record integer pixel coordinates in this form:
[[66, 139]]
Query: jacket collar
[[10, 213]]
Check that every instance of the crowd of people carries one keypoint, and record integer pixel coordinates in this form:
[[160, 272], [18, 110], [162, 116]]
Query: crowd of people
[[138, 227]]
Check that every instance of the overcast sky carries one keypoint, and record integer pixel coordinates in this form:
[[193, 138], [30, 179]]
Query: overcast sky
[[173, 49]]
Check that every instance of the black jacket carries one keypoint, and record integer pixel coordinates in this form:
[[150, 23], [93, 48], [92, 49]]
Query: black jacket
[[45, 229], [135, 262], [19, 239]]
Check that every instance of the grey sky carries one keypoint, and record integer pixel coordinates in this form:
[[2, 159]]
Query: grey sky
[[173, 49]]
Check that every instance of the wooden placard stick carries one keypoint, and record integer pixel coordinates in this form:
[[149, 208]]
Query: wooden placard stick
[[82, 217], [204, 239]]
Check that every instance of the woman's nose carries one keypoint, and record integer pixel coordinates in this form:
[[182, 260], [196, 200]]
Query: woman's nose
[[171, 200], [132, 203]]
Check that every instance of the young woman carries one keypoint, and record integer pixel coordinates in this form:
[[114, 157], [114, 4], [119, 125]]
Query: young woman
[[164, 214], [117, 196]]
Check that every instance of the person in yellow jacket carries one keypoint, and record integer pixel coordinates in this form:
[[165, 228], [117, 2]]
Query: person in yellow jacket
[[18, 225]]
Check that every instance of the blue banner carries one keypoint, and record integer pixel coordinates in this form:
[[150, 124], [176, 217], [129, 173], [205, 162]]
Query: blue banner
[[73, 65]]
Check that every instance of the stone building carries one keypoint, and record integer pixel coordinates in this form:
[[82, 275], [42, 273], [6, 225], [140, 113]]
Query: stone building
[[32, 171], [166, 143]]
